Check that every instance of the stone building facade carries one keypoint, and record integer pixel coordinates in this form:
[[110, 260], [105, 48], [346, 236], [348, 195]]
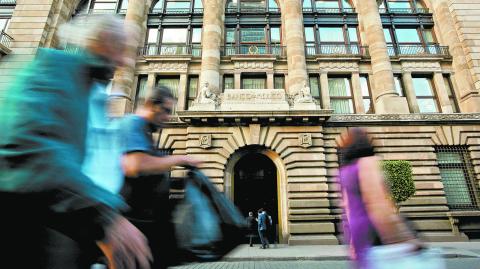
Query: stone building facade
[[265, 87]]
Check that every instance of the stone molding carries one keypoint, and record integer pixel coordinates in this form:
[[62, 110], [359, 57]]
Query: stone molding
[[410, 66], [406, 117], [166, 66], [253, 65], [339, 66]]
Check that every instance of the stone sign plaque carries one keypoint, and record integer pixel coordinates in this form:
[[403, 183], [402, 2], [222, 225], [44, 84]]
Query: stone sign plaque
[[254, 100]]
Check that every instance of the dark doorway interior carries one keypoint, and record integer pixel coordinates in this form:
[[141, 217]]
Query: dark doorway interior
[[255, 187]]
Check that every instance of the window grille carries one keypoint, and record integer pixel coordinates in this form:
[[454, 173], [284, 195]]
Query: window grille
[[457, 175]]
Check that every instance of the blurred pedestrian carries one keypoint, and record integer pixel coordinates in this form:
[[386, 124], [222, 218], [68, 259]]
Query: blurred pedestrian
[[147, 187], [262, 228], [52, 213], [370, 216], [252, 224], [270, 228]]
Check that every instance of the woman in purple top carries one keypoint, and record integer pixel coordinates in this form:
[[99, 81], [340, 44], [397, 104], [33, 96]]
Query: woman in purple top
[[370, 216]]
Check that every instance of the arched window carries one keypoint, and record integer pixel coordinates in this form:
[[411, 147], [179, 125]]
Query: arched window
[[402, 6], [327, 6]]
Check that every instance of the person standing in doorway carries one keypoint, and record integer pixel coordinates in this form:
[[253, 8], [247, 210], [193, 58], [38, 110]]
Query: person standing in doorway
[[251, 222], [262, 228]]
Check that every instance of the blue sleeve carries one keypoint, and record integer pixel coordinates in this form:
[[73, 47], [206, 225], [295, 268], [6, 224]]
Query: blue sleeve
[[135, 138]]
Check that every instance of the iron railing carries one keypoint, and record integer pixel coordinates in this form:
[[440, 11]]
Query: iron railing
[[256, 49], [251, 10], [328, 10], [8, 2], [405, 10], [5, 39], [170, 49], [418, 50], [177, 11], [337, 50]]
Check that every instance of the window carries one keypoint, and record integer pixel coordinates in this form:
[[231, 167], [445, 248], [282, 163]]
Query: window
[[141, 94], [411, 41], [327, 6], [424, 92], [402, 6], [314, 82], [279, 82], [197, 42], [177, 6], [252, 35], [457, 176], [104, 6], [174, 41], [366, 96], [192, 90], [171, 83], [254, 81], [228, 82], [4, 22], [451, 94], [340, 90], [332, 40]]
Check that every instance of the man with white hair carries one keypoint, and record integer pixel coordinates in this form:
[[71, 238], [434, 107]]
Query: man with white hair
[[51, 211]]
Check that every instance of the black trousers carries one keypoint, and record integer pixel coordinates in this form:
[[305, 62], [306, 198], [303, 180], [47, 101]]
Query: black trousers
[[32, 236]]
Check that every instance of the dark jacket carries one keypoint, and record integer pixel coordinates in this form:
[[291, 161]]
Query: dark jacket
[[42, 142]]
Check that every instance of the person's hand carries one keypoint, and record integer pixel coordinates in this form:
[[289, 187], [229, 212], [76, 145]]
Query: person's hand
[[125, 246]]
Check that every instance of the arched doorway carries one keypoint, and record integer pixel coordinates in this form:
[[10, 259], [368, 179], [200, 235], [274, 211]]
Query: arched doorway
[[255, 186]]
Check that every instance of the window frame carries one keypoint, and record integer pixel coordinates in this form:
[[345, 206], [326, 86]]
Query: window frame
[[371, 109], [350, 97], [434, 95]]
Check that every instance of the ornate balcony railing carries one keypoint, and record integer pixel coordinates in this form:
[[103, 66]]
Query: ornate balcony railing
[[328, 10], [254, 49], [170, 49], [5, 39], [178, 11], [337, 50], [434, 50], [251, 10], [405, 10]]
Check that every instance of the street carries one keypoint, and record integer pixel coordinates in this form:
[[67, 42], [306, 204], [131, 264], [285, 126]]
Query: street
[[452, 263]]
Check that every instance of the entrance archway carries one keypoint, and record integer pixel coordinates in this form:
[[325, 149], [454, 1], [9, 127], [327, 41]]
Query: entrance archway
[[255, 186]]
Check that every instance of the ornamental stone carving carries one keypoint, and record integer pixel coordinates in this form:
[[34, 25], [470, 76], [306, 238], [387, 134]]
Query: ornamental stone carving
[[406, 117], [305, 140], [169, 66], [339, 66], [421, 66], [205, 141], [253, 65], [206, 100]]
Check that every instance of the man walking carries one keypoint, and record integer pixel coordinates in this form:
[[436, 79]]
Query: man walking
[[251, 222], [262, 228]]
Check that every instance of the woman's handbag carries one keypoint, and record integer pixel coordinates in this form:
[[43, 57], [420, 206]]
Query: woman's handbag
[[403, 256]]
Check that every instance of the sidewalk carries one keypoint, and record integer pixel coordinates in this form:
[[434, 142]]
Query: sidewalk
[[335, 252]]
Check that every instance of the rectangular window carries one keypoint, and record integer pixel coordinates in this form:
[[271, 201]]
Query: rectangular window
[[340, 90], [171, 83], [405, 5], [104, 6], [424, 92], [141, 93], [327, 4], [352, 34], [174, 41], [405, 35], [230, 35], [192, 90], [177, 6], [228, 82], [275, 35], [309, 34], [314, 82], [4, 22], [254, 82], [367, 99], [252, 35], [279, 82], [451, 94], [197, 42], [457, 175], [331, 34]]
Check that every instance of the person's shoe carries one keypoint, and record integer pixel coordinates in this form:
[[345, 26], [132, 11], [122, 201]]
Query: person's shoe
[[251, 245], [262, 247]]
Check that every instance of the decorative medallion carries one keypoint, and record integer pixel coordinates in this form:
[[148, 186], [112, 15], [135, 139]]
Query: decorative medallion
[[205, 141], [305, 140]]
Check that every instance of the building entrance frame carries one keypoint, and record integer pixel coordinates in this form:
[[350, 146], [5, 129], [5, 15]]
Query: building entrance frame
[[282, 198]]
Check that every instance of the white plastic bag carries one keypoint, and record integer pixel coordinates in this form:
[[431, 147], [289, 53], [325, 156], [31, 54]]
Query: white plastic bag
[[403, 256]]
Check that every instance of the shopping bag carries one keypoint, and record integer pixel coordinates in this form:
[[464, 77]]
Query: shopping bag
[[404, 255], [207, 223]]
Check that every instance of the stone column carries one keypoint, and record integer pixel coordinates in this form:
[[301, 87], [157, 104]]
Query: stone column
[[442, 95], [297, 66], [384, 95], [182, 92], [469, 97], [410, 92], [151, 80], [270, 81], [324, 91], [124, 77], [213, 24], [237, 80], [357, 93]]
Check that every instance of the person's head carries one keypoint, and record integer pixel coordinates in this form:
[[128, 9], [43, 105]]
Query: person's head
[[159, 105], [354, 144], [250, 214], [260, 211], [106, 36]]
